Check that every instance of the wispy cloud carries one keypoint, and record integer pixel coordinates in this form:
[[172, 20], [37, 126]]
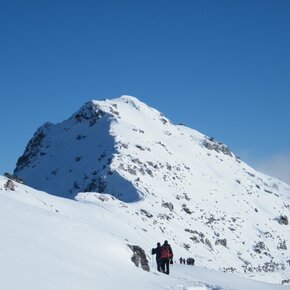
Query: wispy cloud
[[277, 165]]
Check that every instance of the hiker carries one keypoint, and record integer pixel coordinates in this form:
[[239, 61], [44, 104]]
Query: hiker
[[184, 261], [180, 260], [166, 257], [157, 251], [190, 261]]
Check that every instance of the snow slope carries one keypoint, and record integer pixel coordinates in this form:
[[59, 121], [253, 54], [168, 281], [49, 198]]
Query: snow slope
[[52, 243], [175, 182]]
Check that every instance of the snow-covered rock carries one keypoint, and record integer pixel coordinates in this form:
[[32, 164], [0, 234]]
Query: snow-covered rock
[[177, 183]]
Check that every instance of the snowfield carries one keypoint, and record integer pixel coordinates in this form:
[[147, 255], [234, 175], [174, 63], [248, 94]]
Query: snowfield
[[52, 243], [119, 173]]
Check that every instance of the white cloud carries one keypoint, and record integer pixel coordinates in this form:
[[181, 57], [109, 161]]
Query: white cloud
[[277, 165]]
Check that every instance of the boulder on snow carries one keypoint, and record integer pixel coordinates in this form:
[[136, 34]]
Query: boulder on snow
[[283, 220], [168, 205], [222, 242], [9, 185], [139, 257]]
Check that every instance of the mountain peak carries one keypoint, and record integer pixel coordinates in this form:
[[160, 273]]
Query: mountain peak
[[127, 98], [176, 176], [124, 99], [127, 106]]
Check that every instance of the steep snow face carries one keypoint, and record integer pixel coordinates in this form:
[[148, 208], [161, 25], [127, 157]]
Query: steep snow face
[[185, 186], [75, 155]]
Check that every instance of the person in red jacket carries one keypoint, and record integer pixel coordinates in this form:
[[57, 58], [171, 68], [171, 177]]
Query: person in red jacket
[[165, 257]]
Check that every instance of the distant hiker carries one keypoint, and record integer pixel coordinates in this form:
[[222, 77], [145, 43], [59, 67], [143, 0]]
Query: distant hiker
[[157, 251], [180, 260], [190, 261], [184, 261], [166, 257]]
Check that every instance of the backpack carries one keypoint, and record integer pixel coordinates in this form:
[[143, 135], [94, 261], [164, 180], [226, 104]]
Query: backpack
[[165, 252]]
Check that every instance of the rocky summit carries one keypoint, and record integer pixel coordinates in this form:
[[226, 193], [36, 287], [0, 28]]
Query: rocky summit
[[177, 182]]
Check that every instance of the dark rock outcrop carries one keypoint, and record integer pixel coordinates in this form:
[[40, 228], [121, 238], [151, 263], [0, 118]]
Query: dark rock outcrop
[[212, 144], [9, 185], [139, 257]]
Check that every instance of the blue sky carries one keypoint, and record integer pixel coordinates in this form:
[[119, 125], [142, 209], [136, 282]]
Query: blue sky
[[221, 67]]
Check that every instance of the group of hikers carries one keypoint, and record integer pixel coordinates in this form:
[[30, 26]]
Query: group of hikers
[[164, 257], [189, 261]]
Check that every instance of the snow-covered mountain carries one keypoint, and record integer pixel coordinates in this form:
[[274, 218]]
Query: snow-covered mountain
[[167, 182]]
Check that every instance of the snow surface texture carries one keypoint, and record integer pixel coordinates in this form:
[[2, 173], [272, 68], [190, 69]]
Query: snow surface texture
[[52, 243], [173, 182]]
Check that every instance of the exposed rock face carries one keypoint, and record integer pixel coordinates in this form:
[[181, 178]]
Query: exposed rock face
[[33, 148]]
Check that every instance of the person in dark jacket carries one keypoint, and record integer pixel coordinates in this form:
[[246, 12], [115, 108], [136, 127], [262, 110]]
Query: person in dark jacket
[[166, 256], [157, 251]]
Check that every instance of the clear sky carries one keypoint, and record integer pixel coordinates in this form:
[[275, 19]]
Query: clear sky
[[220, 67]]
